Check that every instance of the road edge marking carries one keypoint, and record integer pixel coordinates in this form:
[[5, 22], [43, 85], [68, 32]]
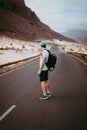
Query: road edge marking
[[7, 112], [79, 59]]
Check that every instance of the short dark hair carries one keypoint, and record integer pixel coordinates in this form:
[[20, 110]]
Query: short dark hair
[[43, 46]]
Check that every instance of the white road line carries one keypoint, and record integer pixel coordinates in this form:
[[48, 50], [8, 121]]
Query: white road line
[[19, 67], [7, 112], [80, 60]]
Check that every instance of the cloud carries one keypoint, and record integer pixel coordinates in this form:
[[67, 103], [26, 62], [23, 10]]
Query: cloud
[[61, 15]]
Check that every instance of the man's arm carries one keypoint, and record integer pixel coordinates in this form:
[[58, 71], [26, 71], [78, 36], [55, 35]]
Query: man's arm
[[41, 65]]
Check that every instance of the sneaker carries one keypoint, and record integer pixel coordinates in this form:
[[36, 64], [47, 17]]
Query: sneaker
[[43, 97], [49, 95]]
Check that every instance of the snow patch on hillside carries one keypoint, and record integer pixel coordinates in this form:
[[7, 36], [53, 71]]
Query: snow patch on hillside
[[12, 50], [71, 47]]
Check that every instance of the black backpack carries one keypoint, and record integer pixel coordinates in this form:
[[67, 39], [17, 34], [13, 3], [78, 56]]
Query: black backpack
[[51, 61]]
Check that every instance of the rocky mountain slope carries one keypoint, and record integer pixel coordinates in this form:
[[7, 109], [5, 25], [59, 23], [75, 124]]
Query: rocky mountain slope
[[19, 21]]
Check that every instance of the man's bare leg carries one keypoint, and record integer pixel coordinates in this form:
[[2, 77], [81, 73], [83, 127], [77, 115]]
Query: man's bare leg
[[48, 87], [43, 85]]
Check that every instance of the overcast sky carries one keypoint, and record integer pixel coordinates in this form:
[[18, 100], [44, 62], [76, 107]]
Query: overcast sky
[[61, 15]]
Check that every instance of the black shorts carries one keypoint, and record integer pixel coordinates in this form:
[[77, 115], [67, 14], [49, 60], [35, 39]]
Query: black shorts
[[44, 76]]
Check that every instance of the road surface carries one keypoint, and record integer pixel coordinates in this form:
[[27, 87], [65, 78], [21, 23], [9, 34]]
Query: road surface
[[21, 109]]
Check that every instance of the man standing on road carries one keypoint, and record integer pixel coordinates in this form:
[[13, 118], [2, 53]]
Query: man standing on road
[[43, 72]]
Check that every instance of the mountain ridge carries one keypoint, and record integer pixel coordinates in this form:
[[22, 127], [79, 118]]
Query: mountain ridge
[[78, 34]]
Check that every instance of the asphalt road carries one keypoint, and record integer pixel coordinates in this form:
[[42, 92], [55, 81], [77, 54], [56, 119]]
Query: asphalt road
[[21, 109]]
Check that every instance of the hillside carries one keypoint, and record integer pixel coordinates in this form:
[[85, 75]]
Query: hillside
[[79, 35], [19, 21]]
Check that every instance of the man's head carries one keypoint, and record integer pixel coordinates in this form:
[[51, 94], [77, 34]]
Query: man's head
[[43, 44]]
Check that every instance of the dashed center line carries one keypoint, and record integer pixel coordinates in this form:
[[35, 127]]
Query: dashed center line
[[7, 112]]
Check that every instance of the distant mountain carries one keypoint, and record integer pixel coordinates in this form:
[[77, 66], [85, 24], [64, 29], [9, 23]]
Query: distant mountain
[[19, 21], [78, 35]]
